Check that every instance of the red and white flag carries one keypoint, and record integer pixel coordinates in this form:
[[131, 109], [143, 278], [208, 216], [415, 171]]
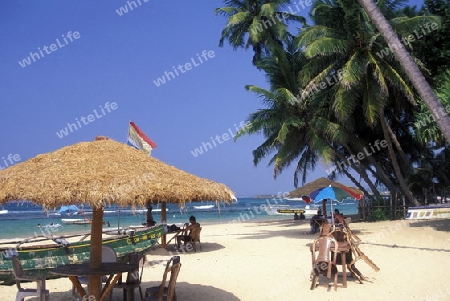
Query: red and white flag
[[138, 140]]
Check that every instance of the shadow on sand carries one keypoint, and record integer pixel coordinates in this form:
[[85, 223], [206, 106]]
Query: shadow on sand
[[438, 225]]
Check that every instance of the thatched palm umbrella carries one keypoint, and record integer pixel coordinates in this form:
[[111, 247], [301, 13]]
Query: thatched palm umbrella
[[101, 173], [320, 183]]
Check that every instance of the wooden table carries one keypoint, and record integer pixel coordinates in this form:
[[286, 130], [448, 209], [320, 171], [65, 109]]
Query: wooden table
[[112, 269]]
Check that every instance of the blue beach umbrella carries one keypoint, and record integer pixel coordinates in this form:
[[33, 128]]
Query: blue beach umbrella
[[68, 209], [334, 193]]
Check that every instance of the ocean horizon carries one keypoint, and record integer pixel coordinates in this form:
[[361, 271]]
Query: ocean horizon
[[24, 218]]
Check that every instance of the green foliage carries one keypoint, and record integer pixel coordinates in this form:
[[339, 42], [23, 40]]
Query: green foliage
[[378, 215], [259, 24], [332, 86]]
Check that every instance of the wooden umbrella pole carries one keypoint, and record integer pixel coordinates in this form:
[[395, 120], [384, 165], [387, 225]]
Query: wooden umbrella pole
[[163, 220], [95, 259]]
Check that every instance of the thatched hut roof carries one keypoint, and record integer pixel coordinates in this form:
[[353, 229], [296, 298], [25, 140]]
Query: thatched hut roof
[[103, 172], [319, 183]]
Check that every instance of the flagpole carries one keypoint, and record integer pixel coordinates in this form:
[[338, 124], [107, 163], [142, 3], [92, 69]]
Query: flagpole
[[118, 207]]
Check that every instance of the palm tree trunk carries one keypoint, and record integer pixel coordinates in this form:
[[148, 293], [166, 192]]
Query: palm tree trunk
[[402, 55], [406, 165], [356, 183], [398, 173], [382, 176], [360, 170]]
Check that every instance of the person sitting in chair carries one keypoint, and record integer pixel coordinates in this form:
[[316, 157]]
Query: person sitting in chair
[[338, 218], [316, 221], [187, 237]]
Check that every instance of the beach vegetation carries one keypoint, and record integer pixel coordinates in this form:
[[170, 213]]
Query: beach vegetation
[[259, 24], [332, 96], [379, 215]]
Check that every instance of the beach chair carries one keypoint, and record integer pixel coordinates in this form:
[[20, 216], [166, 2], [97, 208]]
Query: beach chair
[[108, 255], [162, 290], [21, 276], [134, 278], [323, 263], [195, 237]]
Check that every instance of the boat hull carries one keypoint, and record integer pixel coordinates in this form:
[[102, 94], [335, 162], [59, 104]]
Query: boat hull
[[287, 210], [428, 212], [37, 260], [74, 221]]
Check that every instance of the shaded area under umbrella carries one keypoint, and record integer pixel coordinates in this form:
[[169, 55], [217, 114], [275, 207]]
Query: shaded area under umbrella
[[101, 173]]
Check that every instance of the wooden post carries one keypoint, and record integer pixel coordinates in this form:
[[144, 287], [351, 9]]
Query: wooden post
[[324, 207], [95, 258], [163, 220]]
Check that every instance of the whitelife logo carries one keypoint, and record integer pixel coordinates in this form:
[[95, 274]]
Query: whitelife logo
[[49, 49], [168, 75]]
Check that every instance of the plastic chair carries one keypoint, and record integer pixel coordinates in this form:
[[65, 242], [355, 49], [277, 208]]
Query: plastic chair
[[195, 237], [324, 263], [161, 292], [134, 278], [108, 255], [20, 275], [154, 291]]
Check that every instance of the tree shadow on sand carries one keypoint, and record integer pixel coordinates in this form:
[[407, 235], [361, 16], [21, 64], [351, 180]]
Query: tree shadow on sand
[[438, 225], [285, 228]]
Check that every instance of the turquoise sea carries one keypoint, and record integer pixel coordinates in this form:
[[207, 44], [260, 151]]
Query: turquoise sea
[[22, 218]]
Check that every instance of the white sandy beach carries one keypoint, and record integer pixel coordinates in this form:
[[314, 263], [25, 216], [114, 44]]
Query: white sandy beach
[[271, 261]]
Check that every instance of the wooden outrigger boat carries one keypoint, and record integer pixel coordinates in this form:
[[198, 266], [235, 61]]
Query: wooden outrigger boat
[[41, 253], [440, 211]]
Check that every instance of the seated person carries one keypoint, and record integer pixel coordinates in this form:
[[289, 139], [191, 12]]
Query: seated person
[[187, 237], [316, 221], [296, 217], [150, 222], [302, 216], [338, 218]]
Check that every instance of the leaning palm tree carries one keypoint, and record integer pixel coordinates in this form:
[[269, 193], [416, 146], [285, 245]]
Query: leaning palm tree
[[295, 126], [286, 123], [259, 24], [344, 42], [412, 70]]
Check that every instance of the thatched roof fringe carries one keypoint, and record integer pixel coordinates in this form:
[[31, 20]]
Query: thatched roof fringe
[[101, 173]]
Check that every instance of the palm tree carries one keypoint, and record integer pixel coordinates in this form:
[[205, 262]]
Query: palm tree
[[425, 127], [259, 24], [343, 41], [296, 127], [412, 70]]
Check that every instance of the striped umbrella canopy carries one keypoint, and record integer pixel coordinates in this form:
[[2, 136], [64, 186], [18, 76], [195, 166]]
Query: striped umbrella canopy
[[317, 184], [334, 193]]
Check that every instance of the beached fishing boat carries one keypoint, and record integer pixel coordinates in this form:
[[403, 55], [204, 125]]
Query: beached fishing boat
[[291, 210], [429, 212], [75, 221], [204, 207], [40, 253]]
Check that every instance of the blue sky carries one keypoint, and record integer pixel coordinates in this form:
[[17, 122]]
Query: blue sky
[[117, 59]]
